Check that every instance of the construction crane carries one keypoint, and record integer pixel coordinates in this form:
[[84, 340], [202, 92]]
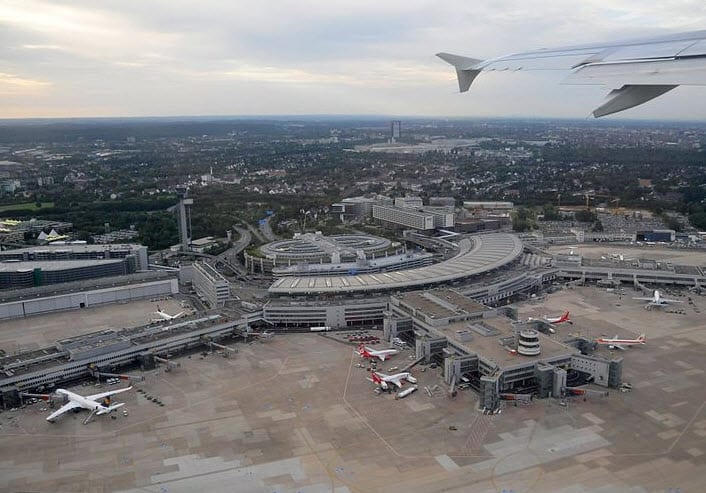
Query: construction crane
[[592, 195]]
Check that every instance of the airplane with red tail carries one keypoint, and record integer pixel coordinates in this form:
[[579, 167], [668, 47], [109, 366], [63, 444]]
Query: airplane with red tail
[[559, 320], [622, 344], [383, 380], [382, 355]]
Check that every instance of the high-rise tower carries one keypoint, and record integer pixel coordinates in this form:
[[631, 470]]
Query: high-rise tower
[[184, 218]]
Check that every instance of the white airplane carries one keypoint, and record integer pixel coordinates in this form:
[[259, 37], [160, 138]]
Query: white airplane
[[89, 402], [622, 344], [657, 300], [383, 380], [165, 316], [382, 355], [638, 70], [564, 317]]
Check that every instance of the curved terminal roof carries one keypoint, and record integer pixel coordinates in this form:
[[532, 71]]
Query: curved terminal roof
[[481, 254]]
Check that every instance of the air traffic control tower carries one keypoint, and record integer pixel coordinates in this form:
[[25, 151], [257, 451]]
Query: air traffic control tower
[[184, 218]]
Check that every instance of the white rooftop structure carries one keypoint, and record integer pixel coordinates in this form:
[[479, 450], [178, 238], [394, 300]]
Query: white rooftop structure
[[481, 254]]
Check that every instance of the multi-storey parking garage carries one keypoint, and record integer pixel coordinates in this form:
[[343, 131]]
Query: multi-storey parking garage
[[477, 255], [639, 270], [315, 248]]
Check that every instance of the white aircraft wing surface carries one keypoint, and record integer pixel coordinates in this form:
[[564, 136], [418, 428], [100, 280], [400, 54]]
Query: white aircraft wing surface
[[65, 408], [639, 70], [95, 397]]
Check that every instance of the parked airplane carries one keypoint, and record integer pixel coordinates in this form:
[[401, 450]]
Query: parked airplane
[[383, 380], [165, 316], [639, 70], [559, 320], [657, 300], [90, 402], [382, 355], [622, 344], [564, 317]]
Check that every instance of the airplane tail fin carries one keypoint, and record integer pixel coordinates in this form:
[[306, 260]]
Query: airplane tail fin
[[642, 338], [464, 66]]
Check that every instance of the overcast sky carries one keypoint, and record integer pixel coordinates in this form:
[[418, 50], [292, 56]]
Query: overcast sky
[[72, 58]]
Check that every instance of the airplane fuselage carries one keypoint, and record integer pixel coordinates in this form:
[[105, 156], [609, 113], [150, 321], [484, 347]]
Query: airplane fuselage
[[83, 402]]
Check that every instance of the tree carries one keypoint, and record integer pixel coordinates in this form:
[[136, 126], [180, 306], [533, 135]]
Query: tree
[[522, 219], [585, 216], [550, 212], [698, 220]]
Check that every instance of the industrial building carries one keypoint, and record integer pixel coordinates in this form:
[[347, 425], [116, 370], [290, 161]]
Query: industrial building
[[494, 353]]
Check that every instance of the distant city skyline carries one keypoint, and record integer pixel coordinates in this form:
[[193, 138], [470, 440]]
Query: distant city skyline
[[77, 58]]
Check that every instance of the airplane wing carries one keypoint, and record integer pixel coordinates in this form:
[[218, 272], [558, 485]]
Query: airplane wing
[[617, 346], [95, 397], [644, 299], [639, 70], [396, 381], [667, 300], [65, 408]]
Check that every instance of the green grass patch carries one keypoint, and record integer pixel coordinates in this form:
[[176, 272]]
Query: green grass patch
[[27, 206]]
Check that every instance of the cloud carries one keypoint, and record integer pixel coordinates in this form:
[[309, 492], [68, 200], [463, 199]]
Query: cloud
[[182, 57], [11, 84]]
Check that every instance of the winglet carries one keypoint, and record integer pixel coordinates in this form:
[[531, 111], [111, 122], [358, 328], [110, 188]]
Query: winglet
[[465, 69]]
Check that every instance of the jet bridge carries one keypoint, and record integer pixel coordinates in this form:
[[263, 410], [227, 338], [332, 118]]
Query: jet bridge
[[211, 344], [95, 372]]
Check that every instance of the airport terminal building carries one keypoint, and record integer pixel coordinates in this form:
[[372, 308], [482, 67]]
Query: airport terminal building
[[495, 354]]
